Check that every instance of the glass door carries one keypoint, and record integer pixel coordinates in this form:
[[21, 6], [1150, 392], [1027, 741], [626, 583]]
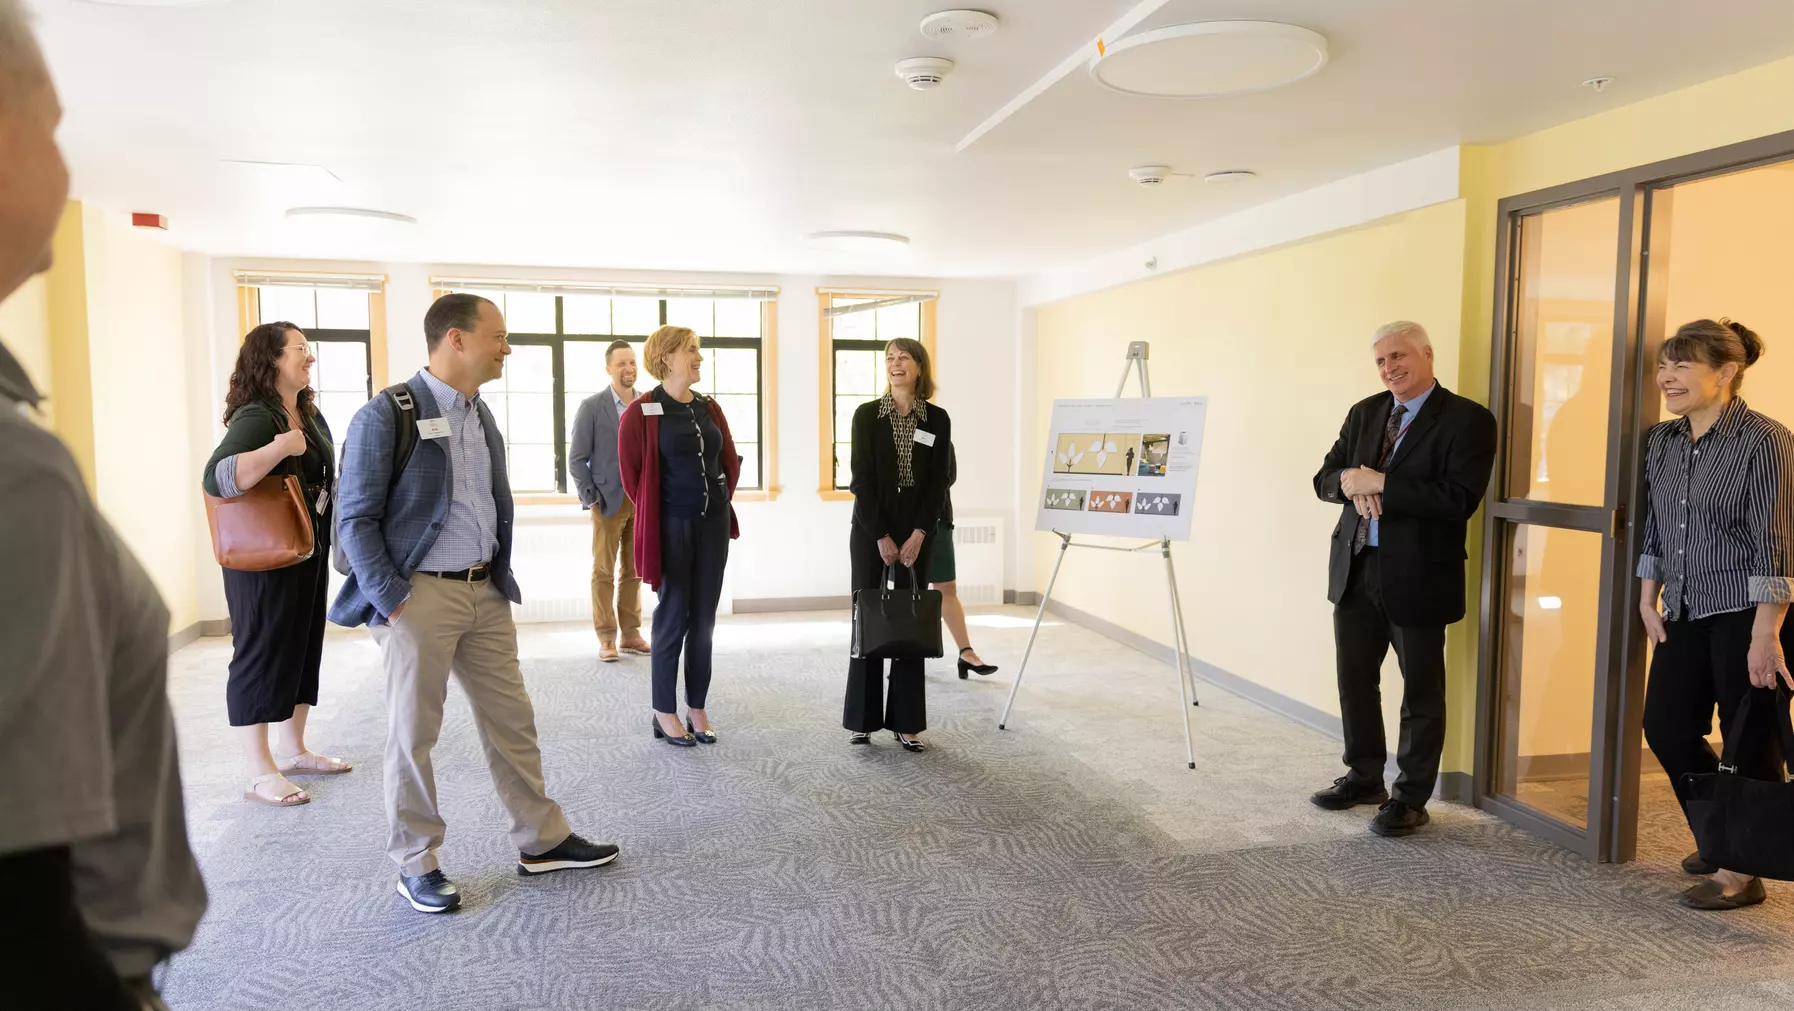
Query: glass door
[[1555, 524]]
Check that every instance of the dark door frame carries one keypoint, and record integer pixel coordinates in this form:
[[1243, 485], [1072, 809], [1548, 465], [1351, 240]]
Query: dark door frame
[[1616, 734]]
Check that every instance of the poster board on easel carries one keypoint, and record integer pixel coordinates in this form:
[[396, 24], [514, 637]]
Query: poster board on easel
[[1122, 467]]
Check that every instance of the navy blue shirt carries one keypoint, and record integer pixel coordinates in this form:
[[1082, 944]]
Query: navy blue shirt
[[691, 469]]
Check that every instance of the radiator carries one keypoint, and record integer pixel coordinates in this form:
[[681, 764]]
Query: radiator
[[552, 560], [978, 551]]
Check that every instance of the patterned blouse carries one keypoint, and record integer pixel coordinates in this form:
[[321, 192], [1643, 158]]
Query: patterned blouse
[[903, 433]]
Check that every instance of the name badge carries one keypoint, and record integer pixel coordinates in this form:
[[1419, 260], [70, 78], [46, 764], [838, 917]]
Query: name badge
[[323, 501], [653, 410], [925, 438], [433, 428]]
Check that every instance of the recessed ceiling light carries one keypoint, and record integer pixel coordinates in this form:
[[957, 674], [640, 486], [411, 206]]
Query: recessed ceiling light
[[1209, 58], [859, 242], [292, 168], [948, 25], [1230, 176], [350, 212]]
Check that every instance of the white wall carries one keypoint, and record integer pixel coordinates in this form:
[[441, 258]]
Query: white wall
[[796, 545]]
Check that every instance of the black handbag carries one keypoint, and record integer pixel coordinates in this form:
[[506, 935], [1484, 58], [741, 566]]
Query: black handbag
[[897, 624], [1745, 825]]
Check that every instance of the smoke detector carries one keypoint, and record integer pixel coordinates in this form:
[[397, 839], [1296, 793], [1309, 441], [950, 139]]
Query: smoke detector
[[1150, 175], [948, 25], [924, 72]]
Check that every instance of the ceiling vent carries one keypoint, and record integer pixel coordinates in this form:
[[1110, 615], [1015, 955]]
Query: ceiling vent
[[947, 26], [924, 72]]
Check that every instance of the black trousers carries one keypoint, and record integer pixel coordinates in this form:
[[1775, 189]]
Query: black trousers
[[277, 631], [867, 709], [1707, 663], [693, 553], [1362, 635]]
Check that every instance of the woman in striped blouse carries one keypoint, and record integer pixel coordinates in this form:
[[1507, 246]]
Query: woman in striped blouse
[[1719, 548]]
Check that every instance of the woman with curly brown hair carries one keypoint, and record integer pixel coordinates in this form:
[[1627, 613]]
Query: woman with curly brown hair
[[274, 428]]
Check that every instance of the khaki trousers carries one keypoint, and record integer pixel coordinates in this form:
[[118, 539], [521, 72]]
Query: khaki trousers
[[613, 537], [465, 629]]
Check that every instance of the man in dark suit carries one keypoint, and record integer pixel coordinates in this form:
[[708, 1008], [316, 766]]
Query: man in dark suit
[[598, 477], [1410, 467]]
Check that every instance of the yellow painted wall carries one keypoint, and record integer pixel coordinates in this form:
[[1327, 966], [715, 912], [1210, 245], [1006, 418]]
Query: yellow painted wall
[[25, 329], [1280, 343], [145, 476]]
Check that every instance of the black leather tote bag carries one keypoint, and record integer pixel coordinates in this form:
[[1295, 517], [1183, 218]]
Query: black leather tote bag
[[897, 624], [1746, 825]]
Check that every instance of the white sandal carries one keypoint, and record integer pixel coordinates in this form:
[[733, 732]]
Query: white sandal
[[319, 765], [292, 799]]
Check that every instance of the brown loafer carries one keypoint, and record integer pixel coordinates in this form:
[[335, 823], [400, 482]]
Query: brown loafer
[[607, 653], [639, 647], [1709, 895]]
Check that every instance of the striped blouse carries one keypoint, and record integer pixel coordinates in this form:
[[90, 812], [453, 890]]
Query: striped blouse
[[1720, 532]]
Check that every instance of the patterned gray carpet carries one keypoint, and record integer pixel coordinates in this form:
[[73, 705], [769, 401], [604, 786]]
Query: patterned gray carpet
[[1070, 862]]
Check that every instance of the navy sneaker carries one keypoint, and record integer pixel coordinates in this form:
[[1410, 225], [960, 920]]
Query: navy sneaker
[[572, 854], [430, 893]]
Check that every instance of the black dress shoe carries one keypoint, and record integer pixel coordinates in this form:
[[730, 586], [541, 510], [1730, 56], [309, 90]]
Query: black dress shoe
[[1398, 818], [573, 853], [1344, 793], [682, 741], [1710, 895], [1693, 864], [909, 745], [703, 736], [430, 893], [859, 738], [976, 668]]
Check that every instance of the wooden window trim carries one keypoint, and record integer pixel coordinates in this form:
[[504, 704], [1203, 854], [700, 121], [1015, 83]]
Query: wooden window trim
[[825, 395]]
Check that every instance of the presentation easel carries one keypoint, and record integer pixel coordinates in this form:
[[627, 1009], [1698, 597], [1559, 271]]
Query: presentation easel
[[1137, 354]]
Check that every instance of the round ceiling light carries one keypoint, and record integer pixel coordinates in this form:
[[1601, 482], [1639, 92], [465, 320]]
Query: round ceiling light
[[156, 3], [1209, 58], [859, 242], [350, 212], [948, 25], [1230, 176]]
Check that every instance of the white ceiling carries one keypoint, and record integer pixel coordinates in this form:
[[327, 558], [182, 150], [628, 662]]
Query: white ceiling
[[715, 134]]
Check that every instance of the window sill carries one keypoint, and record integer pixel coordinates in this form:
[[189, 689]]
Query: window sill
[[835, 495]]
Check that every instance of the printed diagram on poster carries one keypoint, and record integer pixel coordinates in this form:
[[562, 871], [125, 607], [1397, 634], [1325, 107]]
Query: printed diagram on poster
[[1123, 467]]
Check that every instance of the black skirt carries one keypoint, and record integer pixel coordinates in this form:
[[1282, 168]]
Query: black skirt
[[277, 626]]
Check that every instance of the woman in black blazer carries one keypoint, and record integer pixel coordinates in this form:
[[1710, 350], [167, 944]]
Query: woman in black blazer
[[901, 448]]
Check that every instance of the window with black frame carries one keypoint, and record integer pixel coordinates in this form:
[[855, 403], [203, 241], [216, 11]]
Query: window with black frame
[[558, 344], [857, 344], [335, 322]]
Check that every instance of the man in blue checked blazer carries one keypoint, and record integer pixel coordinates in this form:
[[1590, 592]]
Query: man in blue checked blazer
[[429, 557]]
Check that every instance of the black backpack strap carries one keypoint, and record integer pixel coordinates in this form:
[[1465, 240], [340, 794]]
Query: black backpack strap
[[404, 436]]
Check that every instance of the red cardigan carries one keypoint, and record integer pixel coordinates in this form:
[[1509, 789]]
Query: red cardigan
[[638, 453]]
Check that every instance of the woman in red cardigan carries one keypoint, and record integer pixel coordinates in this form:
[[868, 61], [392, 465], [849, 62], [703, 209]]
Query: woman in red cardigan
[[680, 469]]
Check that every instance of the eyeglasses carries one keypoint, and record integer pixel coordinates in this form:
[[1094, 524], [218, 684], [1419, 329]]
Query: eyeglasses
[[304, 349]]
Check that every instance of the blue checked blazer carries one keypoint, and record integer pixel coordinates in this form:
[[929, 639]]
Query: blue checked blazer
[[385, 538]]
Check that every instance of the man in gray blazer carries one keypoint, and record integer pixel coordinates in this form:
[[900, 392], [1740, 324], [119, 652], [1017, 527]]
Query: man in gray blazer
[[592, 461]]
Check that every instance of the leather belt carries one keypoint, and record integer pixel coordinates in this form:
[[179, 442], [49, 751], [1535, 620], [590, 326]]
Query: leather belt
[[477, 574]]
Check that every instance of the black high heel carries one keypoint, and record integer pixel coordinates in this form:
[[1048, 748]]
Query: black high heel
[[978, 668], [703, 736], [907, 744], [682, 741]]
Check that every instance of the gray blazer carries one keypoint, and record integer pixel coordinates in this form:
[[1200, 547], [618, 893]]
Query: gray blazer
[[592, 460]]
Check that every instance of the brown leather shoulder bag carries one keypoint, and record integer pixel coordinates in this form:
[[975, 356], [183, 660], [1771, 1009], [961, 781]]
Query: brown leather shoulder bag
[[266, 527]]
